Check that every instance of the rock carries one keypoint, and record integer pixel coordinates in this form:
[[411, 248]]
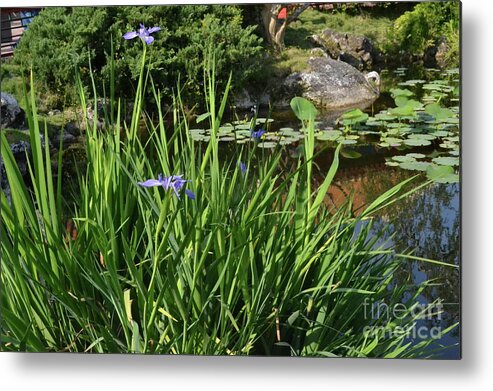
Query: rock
[[332, 84], [19, 150], [356, 50], [72, 128], [102, 106], [67, 138], [54, 112], [436, 55], [245, 100], [442, 49], [11, 116], [318, 52]]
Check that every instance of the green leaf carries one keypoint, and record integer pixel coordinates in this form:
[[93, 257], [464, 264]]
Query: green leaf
[[414, 142], [415, 166], [353, 117], [356, 113], [403, 159], [350, 154], [442, 174], [401, 100], [303, 109], [446, 161], [292, 318], [202, 117], [331, 135], [402, 111], [438, 112], [416, 155], [400, 92]]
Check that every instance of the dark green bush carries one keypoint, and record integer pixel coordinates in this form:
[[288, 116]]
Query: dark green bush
[[61, 40], [420, 28]]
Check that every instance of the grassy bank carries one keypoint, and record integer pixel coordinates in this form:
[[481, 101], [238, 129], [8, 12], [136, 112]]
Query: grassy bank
[[294, 58]]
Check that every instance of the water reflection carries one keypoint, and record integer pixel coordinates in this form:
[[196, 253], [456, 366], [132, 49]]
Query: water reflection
[[426, 223]]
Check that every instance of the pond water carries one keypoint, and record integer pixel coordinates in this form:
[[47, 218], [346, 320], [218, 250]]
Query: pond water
[[426, 223]]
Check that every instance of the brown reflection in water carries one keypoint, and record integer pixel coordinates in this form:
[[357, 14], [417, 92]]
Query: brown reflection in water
[[426, 223], [363, 179]]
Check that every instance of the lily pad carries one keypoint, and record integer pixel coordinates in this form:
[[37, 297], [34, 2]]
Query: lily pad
[[332, 133], [415, 166], [287, 141], [403, 111], [416, 155], [226, 129], [392, 141], [403, 159], [415, 142], [400, 92], [448, 145], [267, 144], [446, 161], [385, 116], [442, 174], [438, 112], [242, 126], [353, 117], [440, 133], [350, 154], [422, 136], [196, 131], [243, 133], [261, 121]]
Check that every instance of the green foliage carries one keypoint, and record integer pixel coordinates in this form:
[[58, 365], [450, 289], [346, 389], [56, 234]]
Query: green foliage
[[312, 21], [151, 273], [62, 40], [11, 80], [420, 28], [303, 109]]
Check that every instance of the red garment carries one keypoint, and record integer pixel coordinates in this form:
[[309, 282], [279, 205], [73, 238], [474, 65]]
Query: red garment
[[283, 14]]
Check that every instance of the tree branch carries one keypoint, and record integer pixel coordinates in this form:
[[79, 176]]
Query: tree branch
[[297, 12]]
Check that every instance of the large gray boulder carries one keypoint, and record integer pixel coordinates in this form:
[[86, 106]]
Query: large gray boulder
[[11, 115], [333, 84], [356, 50]]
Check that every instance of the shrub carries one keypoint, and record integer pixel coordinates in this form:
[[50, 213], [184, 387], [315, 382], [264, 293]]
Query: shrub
[[420, 28], [63, 39]]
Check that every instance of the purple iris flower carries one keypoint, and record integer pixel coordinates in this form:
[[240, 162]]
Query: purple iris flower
[[143, 33], [243, 167], [174, 182], [256, 134]]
